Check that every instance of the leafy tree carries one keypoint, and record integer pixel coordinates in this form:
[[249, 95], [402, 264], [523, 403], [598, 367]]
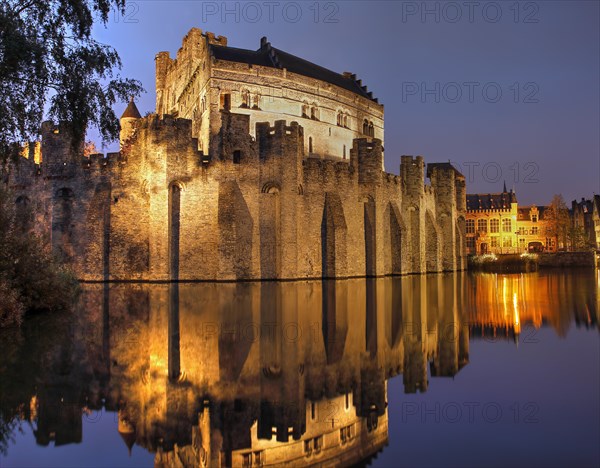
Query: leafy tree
[[558, 221], [49, 60], [578, 239], [31, 279]]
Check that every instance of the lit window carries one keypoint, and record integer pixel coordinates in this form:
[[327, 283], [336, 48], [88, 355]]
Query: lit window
[[482, 225], [506, 225], [494, 225], [494, 241], [470, 226], [305, 110], [318, 444], [307, 447], [226, 101], [245, 98]]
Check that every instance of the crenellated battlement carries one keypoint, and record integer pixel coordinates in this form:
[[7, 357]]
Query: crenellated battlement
[[366, 156], [279, 130], [352, 76], [280, 140], [412, 172], [103, 161], [250, 209]]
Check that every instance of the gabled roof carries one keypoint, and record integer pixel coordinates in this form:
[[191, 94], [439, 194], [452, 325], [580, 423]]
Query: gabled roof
[[268, 56], [490, 201], [583, 206], [523, 211]]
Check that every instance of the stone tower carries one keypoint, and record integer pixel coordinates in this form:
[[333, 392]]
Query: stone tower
[[128, 121]]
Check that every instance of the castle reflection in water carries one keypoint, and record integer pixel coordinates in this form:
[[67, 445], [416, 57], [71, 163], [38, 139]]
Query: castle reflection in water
[[240, 374]]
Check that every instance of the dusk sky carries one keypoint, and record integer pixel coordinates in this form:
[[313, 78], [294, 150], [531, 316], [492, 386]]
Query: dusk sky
[[544, 55]]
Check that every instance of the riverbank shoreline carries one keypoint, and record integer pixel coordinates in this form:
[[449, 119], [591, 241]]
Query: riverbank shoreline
[[521, 263]]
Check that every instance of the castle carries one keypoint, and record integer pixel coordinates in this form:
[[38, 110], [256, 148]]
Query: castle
[[256, 165]]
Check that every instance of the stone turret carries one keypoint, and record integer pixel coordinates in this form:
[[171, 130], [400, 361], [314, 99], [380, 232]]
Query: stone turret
[[57, 150], [162, 63], [412, 171], [367, 157], [126, 431], [128, 121]]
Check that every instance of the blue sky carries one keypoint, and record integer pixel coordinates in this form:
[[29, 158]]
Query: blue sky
[[506, 90]]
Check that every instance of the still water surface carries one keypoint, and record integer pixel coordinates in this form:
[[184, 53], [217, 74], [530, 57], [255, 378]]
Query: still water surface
[[440, 370]]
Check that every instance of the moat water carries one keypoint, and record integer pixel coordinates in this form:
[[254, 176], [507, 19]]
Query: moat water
[[439, 370]]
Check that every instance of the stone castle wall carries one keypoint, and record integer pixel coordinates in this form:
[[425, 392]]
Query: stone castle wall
[[259, 209], [210, 188]]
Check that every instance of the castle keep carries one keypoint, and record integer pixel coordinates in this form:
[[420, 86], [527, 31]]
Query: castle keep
[[256, 165]]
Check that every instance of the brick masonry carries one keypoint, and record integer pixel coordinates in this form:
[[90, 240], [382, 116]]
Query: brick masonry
[[253, 204]]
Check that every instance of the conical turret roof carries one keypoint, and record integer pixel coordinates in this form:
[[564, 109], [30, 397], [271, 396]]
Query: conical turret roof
[[131, 111]]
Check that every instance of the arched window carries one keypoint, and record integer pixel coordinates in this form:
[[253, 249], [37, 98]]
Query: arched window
[[371, 129], [305, 110], [226, 101], [339, 119], [65, 194], [314, 113], [310, 145], [482, 225], [345, 123], [365, 127], [203, 105], [245, 98], [256, 104]]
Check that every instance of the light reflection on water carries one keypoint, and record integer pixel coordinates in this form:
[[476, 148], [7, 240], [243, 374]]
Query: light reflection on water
[[304, 372]]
